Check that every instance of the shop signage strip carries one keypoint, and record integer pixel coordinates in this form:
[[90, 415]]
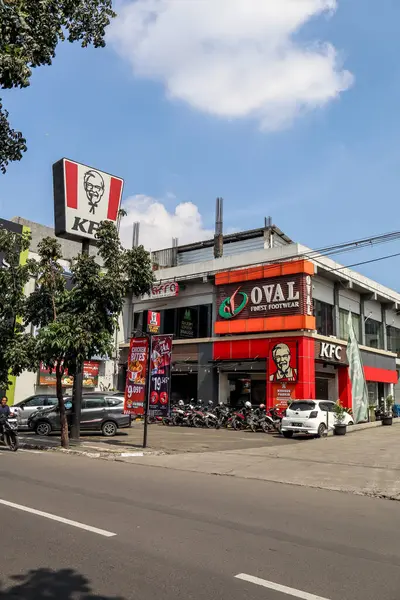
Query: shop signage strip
[[135, 388], [160, 369], [279, 296]]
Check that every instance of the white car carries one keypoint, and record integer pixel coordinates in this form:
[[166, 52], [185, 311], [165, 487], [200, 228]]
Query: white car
[[311, 417]]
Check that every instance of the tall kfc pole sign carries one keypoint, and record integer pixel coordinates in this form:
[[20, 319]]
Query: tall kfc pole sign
[[83, 198]]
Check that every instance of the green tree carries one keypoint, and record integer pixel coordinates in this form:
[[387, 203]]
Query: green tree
[[30, 31], [76, 324], [17, 348]]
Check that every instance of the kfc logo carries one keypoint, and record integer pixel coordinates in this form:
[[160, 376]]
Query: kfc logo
[[83, 197], [94, 188], [284, 358]]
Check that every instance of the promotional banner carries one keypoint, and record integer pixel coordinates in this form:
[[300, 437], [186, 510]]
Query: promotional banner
[[153, 321], [356, 373], [135, 389], [90, 376], [160, 368]]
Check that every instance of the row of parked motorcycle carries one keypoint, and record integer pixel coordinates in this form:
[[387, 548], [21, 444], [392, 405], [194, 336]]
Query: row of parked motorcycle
[[216, 417]]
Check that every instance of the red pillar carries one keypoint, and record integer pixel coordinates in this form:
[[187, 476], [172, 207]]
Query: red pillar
[[305, 387], [344, 386]]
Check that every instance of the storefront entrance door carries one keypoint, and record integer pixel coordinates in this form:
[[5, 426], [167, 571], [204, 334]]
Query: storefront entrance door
[[321, 388]]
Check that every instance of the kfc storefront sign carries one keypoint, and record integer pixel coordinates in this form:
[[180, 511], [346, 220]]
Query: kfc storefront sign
[[332, 353], [288, 295], [83, 197], [164, 290]]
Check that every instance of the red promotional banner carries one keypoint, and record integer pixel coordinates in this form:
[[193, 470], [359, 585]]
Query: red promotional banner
[[160, 369], [135, 389]]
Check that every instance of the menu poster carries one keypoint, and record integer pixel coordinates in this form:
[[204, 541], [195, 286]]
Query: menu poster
[[90, 375], [135, 388], [160, 382]]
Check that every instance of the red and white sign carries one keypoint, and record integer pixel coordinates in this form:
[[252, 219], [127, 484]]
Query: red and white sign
[[83, 197], [153, 321], [164, 290]]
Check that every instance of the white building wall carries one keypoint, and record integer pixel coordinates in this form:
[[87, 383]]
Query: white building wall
[[373, 310], [349, 300], [323, 290]]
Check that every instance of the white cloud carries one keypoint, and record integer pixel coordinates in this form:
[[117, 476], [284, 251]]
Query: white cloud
[[232, 58], [158, 225]]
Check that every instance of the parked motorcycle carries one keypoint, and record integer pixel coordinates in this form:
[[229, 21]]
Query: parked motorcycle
[[9, 436]]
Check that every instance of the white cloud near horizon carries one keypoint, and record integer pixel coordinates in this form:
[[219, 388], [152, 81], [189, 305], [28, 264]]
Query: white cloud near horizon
[[158, 225], [233, 58]]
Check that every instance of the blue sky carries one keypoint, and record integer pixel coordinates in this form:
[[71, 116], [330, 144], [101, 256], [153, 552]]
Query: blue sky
[[328, 174]]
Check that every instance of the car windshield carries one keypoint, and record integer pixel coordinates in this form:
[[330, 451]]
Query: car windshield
[[303, 405]]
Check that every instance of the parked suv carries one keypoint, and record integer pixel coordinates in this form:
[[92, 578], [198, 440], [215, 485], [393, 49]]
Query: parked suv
[[99, 413], [310, 417]]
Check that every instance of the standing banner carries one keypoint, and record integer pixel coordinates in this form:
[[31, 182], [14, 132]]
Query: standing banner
[[135, 389], [356, 372], [160, 369]]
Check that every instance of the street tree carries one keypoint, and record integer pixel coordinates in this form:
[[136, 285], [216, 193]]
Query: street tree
[[17, 347], [30, 31], [76, 324]]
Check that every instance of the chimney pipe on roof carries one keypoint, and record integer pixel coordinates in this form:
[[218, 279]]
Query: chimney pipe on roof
[[218, 237], [135, 235], [268, 233]]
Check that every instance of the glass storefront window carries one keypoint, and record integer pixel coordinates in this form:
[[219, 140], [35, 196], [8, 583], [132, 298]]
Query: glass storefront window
[[393, 339], [373, 333], [184, 323], [324, 317], [343, 328]]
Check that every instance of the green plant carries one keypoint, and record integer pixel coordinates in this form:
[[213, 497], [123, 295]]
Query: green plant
[[388, 405], [339, 413]]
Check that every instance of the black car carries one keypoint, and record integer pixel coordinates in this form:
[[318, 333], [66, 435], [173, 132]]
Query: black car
[[99, 413]]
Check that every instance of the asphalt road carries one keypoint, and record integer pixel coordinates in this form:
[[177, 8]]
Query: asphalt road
[[169, 535]]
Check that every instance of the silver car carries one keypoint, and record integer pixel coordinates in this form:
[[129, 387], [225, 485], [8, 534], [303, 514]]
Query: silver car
[[25, 408]]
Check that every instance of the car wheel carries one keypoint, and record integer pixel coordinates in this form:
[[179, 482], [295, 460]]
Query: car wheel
[[43, 428], [350, 423], [321, 430], [287, 434], [109, 429]]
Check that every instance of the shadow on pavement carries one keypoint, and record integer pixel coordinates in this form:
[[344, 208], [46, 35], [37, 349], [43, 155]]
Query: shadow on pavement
[[45, 584]]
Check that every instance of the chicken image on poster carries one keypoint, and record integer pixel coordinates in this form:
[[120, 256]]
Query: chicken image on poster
[[160, 369], [283, 362]]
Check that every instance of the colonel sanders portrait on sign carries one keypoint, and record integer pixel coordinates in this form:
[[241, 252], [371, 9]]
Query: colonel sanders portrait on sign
[[285, 364], [93, 183]]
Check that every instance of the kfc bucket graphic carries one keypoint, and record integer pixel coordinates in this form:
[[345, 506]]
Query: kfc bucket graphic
[[83, 197]]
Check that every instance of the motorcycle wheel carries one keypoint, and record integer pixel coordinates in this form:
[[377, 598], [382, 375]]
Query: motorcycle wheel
[[253, 426], [237, 425], [208, 423], [265, 427], [12, 441], [197, 422]]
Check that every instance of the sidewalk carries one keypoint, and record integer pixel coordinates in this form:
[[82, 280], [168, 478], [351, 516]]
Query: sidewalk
[[366, 462]]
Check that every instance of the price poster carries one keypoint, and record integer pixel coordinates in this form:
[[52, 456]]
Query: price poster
[[160, 369], [135, 389]]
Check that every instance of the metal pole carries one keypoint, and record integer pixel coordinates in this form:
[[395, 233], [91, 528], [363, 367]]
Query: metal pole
[[147, 399], [78, 382]]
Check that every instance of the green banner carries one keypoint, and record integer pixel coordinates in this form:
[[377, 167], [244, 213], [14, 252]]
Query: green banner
[[356, 372]]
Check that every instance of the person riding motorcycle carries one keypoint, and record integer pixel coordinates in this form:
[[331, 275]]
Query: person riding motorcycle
[[5, 413]]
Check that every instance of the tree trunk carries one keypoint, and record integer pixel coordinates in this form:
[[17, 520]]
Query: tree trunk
[[61, 406]]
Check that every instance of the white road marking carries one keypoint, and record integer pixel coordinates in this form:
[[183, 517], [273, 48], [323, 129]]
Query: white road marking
[[128, 454], [278, 588], [46, 515], [31, 451]]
